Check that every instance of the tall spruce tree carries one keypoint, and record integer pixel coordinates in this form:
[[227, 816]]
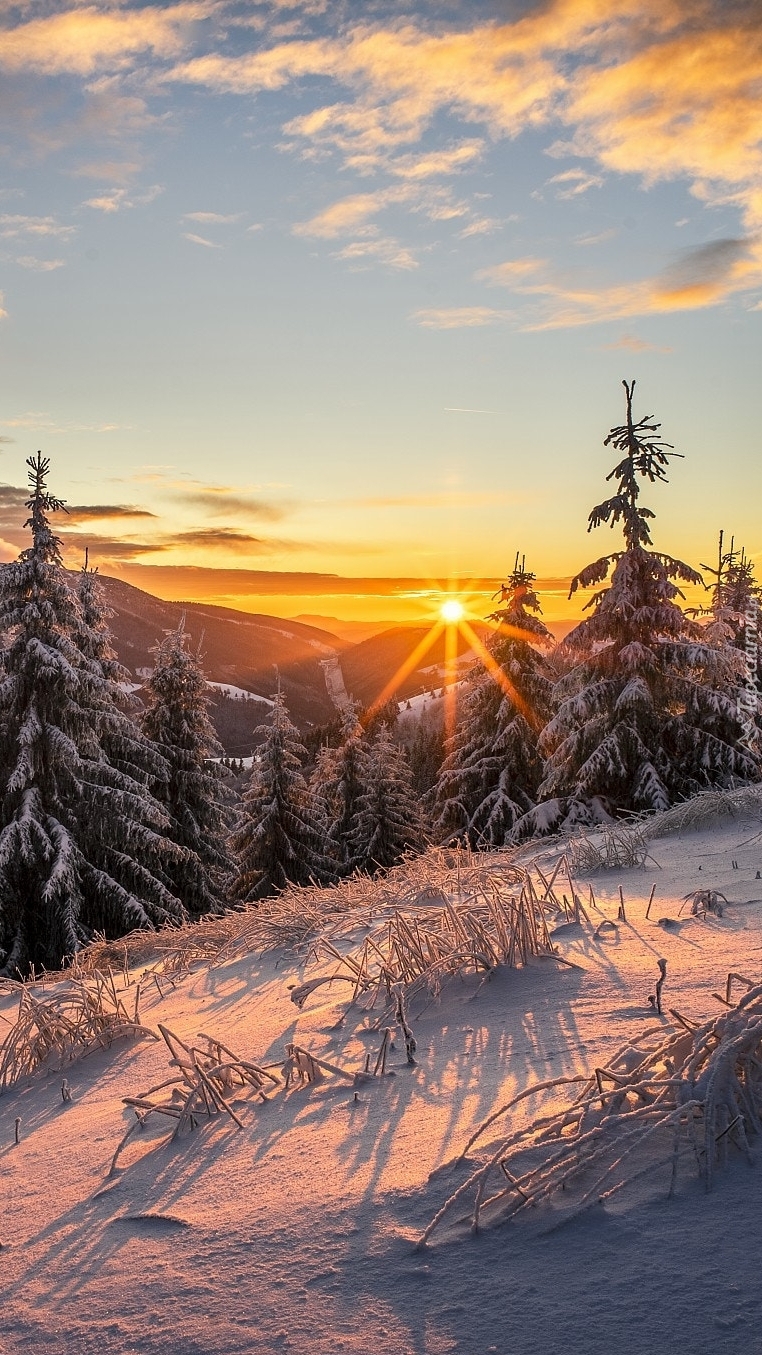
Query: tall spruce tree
[[492, 768], [388, 821], [735, 623], [278, 838], [339, 781], [177, 721], [647, 715], [82, 840]]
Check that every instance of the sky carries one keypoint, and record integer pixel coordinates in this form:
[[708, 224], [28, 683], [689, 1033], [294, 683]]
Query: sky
[[324, 308]]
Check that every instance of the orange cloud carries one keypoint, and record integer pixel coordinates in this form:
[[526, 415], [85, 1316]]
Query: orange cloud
[[663, 89], [703, 276], [84, 41]]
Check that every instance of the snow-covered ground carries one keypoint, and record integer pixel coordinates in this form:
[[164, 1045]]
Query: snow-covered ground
[[241, 693], [297, 1232], [334, 682]]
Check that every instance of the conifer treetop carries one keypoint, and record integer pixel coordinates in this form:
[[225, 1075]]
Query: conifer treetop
[[646, 456], [517, 600], [45, 545]]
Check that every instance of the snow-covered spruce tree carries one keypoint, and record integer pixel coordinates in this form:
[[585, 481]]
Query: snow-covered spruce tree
[[492, 768], [734, 586], [388, 822], [647, 716], [426, 749], [177, 721], [279, 834], [338, 782], [82, 844]]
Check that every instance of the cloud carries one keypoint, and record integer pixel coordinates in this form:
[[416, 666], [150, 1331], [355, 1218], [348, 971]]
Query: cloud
[[12, 226], [433, 163], [512, 271], [39, 265], [632, 344], [200, 240], [662, 89], [659, 89], [221, 501], [199, 581], [12, 500], [9, 440], [459, 317], [120, 172], [707, 272], [118, 198], [703, 276], [75, 543], [350, 213], [213, 218], [481, 225], [384, 249], [104, 512], [575, 182], [84, 41], [597, 238], [229, 539], [107, 202]]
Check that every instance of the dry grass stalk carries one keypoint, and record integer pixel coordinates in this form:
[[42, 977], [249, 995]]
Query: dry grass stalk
[[484, 920], [705, 901], [615, 847], [708, 807], [294, 918], [699, 1089], [303, 1067], [66, 1023], [204, 1080]]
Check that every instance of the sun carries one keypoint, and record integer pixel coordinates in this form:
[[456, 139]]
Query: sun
[[452, 611]]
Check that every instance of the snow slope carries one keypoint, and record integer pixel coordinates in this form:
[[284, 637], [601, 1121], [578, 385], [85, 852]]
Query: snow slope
[[297, 1233]]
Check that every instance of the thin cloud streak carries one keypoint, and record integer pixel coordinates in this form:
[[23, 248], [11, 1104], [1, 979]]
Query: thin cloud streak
[[460, 317]]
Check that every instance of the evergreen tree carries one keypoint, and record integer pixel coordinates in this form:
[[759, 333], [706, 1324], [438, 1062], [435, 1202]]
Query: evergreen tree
[[278, 839], [339, 781], [82, 843], [388, 820], [193, 794], [426, 750], [734, 586], [645, 717], [492, 768]]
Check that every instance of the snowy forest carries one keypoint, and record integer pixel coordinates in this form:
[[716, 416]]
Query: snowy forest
[[120, 812]]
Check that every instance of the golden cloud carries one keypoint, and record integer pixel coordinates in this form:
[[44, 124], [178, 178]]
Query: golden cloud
[[86, 41], [663, 89], [351, 213], [703, 276]]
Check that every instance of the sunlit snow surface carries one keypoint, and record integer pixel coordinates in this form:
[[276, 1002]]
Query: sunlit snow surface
[[297, 1233]]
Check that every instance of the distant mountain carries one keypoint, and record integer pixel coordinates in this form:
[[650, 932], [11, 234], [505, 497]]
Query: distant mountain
[[371, 665], [351, 632], [240, 649]]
